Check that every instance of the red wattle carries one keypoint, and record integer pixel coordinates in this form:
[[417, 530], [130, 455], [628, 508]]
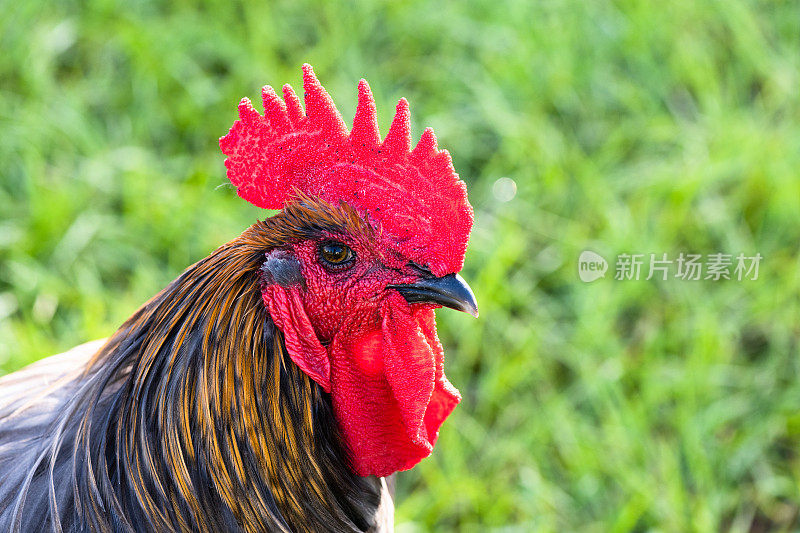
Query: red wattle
[[391, 420], [388, 387]]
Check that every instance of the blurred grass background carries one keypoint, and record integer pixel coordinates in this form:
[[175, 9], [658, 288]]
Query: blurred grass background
[[637, 127]]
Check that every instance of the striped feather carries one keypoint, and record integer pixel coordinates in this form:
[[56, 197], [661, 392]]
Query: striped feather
[[191, 417]]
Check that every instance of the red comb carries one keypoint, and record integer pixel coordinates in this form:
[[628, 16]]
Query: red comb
[[415, 196]]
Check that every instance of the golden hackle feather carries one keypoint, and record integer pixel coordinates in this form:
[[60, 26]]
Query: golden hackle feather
[[192, 417]]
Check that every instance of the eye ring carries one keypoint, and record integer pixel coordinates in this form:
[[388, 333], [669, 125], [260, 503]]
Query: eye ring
[[335, 255]]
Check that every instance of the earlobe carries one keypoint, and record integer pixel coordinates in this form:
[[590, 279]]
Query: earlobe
[[281, 294]]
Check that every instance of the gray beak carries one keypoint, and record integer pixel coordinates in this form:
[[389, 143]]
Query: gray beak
[[449, 291]]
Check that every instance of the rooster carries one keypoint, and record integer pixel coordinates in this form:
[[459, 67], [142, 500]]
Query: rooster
[[279, 383]]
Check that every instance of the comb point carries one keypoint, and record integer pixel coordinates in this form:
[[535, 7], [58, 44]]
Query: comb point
[[398, 139], [365, 122], [275, 109], [319, 104], [294, 108], [426, 147]]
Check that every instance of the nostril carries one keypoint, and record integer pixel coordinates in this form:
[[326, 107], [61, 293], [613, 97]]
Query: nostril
[[423, 271]]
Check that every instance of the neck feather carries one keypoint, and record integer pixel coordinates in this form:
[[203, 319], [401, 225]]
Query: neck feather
[[200, 421]]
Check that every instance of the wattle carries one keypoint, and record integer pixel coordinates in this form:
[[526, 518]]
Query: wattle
[[389, 391], [388, 388]]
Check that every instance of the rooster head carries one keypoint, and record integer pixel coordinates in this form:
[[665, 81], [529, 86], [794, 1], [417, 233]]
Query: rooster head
[[376, 235]]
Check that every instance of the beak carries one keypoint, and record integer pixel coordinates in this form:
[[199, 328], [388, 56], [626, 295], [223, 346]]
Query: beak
[[449, 291]]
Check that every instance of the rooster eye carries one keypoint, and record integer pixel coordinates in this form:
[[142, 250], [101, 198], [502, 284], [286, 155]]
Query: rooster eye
[[336, 255]]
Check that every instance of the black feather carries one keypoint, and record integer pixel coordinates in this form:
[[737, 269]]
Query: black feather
[[192, 417]]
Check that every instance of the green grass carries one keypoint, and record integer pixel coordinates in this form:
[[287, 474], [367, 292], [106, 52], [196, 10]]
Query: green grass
[[638, 127]]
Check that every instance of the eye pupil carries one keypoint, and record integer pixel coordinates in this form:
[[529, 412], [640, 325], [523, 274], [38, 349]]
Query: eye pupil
[[335, 253]]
